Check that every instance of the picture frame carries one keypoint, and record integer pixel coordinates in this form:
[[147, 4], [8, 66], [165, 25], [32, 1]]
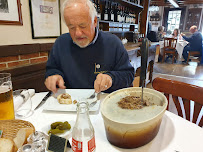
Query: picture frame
[[10, 12], [45, 18]]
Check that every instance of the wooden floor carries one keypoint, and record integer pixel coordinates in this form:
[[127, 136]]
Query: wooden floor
[[192, 73]]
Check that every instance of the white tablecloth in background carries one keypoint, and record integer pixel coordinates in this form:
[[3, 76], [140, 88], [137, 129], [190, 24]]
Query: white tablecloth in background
[[175, 134], [179, 47]]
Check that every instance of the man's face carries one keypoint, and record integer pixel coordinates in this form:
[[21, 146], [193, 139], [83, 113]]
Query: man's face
[[81, 27]]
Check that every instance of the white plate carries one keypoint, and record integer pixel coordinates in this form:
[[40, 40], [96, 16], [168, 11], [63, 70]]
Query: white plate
[[76, 94], [67, 133]]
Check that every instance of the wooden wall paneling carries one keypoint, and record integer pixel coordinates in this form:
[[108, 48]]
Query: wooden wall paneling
[[31, 76], [13, 50]]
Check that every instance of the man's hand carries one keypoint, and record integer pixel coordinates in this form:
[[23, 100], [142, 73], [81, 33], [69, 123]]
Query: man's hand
[[182, 34], [54, 80], [102, 82]]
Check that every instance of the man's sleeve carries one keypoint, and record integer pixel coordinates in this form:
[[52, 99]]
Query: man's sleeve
[[53, 66], [123, 72], [189, 39]]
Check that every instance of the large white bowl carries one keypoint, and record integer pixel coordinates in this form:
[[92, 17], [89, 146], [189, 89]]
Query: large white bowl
[[132, 128]]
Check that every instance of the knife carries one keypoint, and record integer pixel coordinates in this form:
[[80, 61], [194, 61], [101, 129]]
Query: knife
[[44, 100]]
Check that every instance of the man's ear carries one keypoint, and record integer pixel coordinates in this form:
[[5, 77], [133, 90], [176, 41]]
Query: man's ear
[[95, 21]]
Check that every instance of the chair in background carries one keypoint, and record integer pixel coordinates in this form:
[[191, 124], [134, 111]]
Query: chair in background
[[169, 48], [193, 54], [185, 91]]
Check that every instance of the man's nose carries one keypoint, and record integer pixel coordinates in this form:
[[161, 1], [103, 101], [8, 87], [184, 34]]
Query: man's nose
[[78, 32]]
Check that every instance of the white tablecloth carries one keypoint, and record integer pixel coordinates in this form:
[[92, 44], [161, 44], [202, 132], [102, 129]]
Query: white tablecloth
[[175, 134], [179, 46]]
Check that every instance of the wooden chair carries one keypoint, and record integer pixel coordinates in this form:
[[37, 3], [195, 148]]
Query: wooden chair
[[193, 53], [182, 90], [169, 48]]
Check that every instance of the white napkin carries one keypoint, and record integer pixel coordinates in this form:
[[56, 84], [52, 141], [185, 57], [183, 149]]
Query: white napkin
[[22, 97]]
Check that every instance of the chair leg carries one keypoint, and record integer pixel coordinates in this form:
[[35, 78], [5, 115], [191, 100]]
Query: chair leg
[[188, 57], [163, 58], [173, 58]]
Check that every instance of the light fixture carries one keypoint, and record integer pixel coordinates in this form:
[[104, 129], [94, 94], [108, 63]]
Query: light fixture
[[173, 3], [153, 8]]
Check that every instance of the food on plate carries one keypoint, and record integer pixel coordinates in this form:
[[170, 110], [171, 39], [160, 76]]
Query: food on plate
[[64, 98], [133, 102], [59, 127], [75, 101], [21, 136], [7, 145]]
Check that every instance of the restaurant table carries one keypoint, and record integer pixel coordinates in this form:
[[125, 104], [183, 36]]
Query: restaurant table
[[175, 134], [179, 47]]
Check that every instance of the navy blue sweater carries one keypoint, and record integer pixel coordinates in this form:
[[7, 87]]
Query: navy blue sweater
[[195, 41], [80, 66]]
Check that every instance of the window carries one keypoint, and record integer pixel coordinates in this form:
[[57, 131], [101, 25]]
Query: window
[[173, 20]]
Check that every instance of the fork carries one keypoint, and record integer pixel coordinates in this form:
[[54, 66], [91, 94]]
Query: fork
[[92, 96]]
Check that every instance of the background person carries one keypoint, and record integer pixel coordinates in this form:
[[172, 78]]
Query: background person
[[195, 42], [160, 33], [176, 33], [85, 57]]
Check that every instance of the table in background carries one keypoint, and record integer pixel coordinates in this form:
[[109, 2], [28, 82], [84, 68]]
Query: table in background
[[179, 47], [175, 134]]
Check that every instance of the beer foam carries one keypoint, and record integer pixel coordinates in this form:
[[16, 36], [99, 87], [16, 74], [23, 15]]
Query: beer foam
[[4, 89]]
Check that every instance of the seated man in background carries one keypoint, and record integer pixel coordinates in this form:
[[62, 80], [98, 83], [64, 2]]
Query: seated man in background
[[195, 42], [85, 57]]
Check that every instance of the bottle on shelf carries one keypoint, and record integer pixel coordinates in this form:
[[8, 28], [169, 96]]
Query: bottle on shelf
[[83, 137], [115, 12], [106, 11], [98, 10], [109, 10]]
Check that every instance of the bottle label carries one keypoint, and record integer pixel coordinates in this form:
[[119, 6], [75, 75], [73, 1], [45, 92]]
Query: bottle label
[[105, 17], [91, 145], [76, 145]]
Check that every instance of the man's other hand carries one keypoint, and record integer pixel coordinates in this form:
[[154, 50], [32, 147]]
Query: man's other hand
[[52, 81], [102, 82]]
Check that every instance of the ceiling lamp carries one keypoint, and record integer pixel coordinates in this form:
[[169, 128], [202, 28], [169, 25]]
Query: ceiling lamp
[[173, 3]]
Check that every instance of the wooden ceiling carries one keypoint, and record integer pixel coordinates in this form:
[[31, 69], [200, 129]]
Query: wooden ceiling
[[179, 2]]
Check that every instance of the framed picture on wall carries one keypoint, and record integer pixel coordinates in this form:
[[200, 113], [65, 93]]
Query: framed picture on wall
[[45, 18], [10, 12]]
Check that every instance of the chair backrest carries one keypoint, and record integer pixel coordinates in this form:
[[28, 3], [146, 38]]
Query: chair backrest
[[170, 43], [185, 91]]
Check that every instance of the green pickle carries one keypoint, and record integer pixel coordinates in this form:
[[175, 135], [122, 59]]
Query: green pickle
[[55, 131], [55, 124], [59, 127]]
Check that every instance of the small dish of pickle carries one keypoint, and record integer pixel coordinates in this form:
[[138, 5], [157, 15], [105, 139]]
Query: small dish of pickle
[[60, 128]]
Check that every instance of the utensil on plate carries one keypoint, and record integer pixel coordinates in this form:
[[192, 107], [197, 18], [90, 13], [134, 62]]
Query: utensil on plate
[[92, 96], [44, 100], [144, 58]]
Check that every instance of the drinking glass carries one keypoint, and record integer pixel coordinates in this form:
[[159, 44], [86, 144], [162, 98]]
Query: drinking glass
[[25, 109], [6, 97]]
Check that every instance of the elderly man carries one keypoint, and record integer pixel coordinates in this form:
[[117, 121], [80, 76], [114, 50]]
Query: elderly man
[[86, 57], [195, 42]]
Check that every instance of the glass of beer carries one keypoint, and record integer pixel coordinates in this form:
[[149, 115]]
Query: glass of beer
[[6, 97]]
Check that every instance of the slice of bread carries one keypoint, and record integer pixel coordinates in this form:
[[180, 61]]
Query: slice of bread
[[6, 145], [64, 98], [21, 136]]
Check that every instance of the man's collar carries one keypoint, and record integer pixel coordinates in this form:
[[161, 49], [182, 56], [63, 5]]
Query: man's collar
[[96, 36]]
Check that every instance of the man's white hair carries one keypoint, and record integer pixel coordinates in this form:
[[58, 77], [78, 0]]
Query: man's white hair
[[92, 10]]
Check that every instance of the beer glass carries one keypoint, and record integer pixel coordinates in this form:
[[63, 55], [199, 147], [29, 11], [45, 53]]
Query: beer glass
[[6, 97]]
